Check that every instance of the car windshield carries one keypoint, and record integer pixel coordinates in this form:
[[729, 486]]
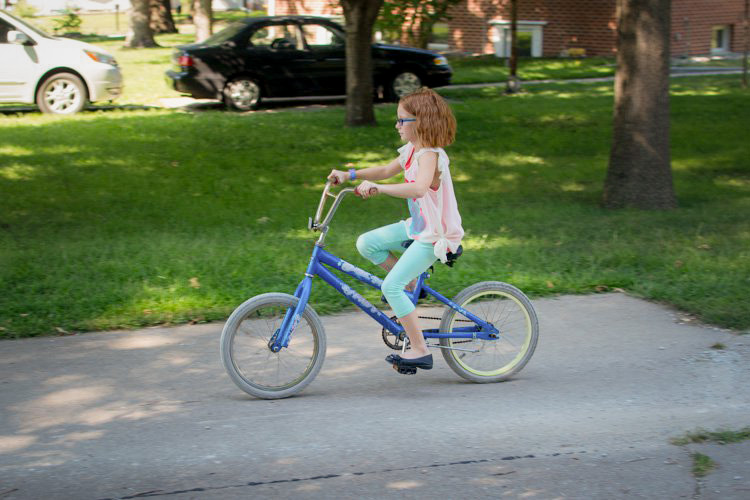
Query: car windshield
[[28, 26], [225, 34]]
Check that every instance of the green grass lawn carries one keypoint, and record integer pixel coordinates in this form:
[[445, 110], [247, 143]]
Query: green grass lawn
[[143, 70], [489, 68], [130, 218]]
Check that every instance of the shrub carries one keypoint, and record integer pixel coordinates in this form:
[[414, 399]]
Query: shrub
[[70, 21]]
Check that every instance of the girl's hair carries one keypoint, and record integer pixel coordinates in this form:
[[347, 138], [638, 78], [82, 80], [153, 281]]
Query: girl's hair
[[436, 125]]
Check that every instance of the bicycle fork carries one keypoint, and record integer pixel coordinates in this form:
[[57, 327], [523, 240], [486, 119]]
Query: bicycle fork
[[280, 338]]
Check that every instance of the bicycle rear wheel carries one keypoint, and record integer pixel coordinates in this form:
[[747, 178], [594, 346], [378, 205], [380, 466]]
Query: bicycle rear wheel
[[250, 362], [511, 312]]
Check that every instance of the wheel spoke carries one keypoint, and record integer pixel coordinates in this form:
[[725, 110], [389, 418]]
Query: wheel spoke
[[61, 96], [243, 94], [406, 83], [251, 363], [509, 311]]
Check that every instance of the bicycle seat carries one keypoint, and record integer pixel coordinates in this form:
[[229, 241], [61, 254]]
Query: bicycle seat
[[451, 256]]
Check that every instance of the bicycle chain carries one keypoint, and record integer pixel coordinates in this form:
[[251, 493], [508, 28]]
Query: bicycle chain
[[396, 343]]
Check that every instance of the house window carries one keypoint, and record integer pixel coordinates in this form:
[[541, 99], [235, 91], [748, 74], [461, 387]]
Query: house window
[[440, 38], [528, 34], [720, 39]]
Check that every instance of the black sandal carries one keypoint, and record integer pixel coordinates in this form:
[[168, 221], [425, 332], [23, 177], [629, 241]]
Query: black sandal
[[409, 366]]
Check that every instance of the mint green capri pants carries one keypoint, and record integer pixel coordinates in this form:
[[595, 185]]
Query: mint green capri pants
[[375, 246]]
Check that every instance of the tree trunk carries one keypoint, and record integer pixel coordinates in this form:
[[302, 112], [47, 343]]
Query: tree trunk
[[514, 84], [161, 17], [746, 24], [203, 19], [360, 16], [424, 30], [140, 34], [640, 172]]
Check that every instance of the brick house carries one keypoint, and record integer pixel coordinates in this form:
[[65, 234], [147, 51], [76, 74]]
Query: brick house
[[558, 27]]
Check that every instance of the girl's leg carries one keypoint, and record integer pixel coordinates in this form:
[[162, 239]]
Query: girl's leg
[[379, 244], [388, 265], [416, 260]]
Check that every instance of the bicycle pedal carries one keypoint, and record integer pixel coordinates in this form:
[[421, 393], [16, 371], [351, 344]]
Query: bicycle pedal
[[405, 370]]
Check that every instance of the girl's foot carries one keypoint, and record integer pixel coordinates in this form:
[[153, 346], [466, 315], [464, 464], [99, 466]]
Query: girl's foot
[[424, 362], [414, 354]]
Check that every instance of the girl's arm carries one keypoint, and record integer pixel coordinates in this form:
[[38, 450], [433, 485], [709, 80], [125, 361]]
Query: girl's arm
[[368, 174], [417, 189], [379, 173]]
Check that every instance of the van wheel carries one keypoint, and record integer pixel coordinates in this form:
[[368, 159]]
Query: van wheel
[[403, 84], [242, 93], [62, 94]]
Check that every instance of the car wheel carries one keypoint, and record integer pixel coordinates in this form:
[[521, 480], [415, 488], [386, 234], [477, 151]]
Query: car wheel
[[242, 93], [63, 94], [403, 84]]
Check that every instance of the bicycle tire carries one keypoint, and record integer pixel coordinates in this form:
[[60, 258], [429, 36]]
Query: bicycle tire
[[511, 312], [252, 366]]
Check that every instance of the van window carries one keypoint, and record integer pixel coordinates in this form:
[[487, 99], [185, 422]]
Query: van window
[[22, 25], [275, 35], [4, 29]]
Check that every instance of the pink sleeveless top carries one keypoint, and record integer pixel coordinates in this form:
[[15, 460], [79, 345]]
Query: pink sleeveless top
[[434, 217]]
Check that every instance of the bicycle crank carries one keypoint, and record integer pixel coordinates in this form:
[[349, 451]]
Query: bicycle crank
[[392, 340]]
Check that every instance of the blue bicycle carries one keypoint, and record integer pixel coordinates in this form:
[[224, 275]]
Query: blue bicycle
[[273, 345]]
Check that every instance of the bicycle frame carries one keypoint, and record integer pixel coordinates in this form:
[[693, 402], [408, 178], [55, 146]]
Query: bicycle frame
[[319, 265]]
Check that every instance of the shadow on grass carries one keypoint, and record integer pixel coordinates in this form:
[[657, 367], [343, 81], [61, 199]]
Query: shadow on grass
[[267, 105], [28, 109], [200, 105]]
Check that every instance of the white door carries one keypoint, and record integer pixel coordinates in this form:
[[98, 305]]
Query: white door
[[720, 39], [19, 65]]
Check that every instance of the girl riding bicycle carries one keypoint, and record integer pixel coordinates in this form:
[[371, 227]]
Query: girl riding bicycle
[[425, 122]]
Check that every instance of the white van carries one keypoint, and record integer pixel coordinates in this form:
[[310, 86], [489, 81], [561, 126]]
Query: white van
[[58, 74]]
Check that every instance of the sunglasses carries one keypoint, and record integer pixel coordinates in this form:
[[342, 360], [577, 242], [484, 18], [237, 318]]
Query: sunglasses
[[400, 121]]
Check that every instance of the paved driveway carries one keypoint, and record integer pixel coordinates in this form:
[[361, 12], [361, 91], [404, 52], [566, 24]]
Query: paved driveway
[[151, 413]]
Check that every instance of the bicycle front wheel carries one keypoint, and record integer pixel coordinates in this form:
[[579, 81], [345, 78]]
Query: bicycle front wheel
[[495, 360], [250, 362]]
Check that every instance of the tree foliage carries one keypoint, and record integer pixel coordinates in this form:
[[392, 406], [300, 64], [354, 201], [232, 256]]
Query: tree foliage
[[69, 22], [414, 18]]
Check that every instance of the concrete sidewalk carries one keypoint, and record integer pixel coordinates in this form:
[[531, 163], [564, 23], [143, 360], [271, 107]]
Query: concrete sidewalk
[[151, 413]]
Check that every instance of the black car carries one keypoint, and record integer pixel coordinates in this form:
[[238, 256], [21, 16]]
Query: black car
[[293, 56]]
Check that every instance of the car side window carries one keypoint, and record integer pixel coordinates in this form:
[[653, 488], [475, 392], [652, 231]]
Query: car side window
[[5, 27], [277, 37], [319, 36]]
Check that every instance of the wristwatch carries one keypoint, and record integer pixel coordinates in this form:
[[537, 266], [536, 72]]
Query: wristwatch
[[352, 174]]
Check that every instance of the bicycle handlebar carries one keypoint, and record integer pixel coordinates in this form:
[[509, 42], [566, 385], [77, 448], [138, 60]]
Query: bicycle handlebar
[[314, 223]]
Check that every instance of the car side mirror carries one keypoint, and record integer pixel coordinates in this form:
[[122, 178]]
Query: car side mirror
[[19, 38]]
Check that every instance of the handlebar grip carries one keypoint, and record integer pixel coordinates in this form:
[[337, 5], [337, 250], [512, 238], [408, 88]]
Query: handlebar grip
[[371, 191]]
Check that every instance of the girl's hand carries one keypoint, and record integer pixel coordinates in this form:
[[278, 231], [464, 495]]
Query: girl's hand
[[367, 189], [338, 177]]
